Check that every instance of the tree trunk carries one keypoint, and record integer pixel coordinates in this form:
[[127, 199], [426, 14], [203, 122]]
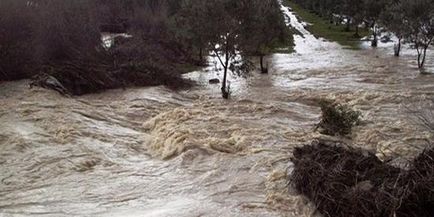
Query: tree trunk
[[347, 28], [225, 91], [419, 57], [201, 55], [398, 47], [264, 70], [356, 35], [374, 42], [422, 56]]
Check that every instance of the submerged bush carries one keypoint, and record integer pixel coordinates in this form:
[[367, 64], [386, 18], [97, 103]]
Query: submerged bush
[[337, 119], [343, 181]]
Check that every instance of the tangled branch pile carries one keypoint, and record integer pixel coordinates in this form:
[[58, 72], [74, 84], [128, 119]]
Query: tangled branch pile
[[343, 181]]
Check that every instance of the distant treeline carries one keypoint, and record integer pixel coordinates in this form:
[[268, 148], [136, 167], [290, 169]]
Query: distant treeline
[[60, 41], [409, 20]]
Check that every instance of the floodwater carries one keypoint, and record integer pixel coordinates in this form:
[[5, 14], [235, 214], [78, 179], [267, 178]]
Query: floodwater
[[155, 152]]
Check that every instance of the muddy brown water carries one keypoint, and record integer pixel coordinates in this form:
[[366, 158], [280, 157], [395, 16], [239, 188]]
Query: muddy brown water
[[155, 152]]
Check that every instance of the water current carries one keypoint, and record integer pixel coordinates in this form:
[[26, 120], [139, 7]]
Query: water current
[[155, 152]]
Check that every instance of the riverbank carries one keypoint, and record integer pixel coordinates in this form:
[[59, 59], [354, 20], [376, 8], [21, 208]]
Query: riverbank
[[323, 28]]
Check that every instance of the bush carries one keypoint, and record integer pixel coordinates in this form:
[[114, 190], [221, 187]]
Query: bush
[[344, 181], [337, 119]]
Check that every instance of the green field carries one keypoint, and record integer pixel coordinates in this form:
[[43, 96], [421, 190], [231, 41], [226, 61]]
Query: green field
[[321, 27]]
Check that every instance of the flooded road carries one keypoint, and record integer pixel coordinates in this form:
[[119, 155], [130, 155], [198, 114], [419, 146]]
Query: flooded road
[[154, 152]]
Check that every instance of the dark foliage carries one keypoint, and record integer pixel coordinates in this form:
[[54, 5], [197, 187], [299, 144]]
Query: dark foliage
[[71, 52], [59, 42], [15, 40], [343, 181]]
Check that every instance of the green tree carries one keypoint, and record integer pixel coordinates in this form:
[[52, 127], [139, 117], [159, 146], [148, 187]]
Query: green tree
[[262, 28], [393, 19], [419, 23], [371, 14], [191, 24], [224, 36], [352, 10]]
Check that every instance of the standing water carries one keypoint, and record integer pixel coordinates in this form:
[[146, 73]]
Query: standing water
[[154, 152]]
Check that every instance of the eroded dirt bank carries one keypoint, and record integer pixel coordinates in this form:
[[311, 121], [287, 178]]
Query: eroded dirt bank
[[153, 152]]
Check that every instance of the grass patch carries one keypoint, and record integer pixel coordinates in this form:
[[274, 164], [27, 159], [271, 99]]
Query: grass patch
[[321, 27]]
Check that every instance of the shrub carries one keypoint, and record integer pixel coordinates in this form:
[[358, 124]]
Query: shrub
[[337, 119]]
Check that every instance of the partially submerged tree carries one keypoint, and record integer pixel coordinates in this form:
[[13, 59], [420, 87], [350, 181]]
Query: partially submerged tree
[[233, 30], [419, 18], [352, 10], [392, 18], [262, 28], [224, 37], [372, 11], [413, 22]]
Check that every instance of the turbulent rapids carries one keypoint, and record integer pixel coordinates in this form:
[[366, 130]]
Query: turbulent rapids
[[155, 152]]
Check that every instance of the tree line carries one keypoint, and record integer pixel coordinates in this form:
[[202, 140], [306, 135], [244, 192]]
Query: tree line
[[411, 21], [61, 40]]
